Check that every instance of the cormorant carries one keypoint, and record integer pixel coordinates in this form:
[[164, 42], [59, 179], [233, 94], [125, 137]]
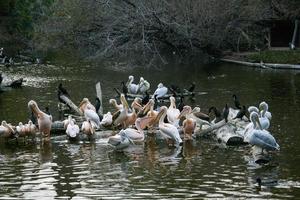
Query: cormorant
[[226, 113], [236, 102]]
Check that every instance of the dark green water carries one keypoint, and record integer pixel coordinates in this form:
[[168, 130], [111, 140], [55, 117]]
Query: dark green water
[[201, 169]]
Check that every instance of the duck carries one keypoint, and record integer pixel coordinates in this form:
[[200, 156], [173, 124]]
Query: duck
[[236, 101], [189, 124], [259, 137], [72, 130], [173, 113], [264, 120], [6, 130], [88, 128], [161, 91], [218, 116], [143, 85], [44, 120], [166, 129], [132, 88]]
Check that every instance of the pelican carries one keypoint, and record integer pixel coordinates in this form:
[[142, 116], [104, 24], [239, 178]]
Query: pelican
[[31, 128], [120, 141], [123, 112], [166, 129], [93, 117], [189, 124], [44, 120], [173, 113], [199, 121], [264, 121], [114, 103], [21, 130], [259, 137], [151, 115], [107, 119], [87, 128], [132, 88], [264, 110], [201, 115], [86, 104], [72, 128], [253, 109], [143, 85], [6, 130], [160, 91]]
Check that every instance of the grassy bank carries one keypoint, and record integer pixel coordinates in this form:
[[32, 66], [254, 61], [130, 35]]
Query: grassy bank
[[276, 56]]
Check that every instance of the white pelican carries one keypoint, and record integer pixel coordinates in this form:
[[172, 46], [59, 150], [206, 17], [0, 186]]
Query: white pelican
[[114, 103], [143, 85], [123, 112], [119, 141], [264, 121], [160, 91], [21, 130], [6, 130], [132, 88], [93, 117], [259, 137], [173, 113], [72, 128], [44, 120], [87, 128], [166, 129], [86, 104], [253, 109], [199, 121], [189, 124], [107, 119], [31, 128]]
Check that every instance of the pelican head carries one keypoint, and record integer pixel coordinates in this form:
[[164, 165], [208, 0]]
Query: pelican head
[[124, 102], [186, 110], [196, 109], [4, 123], [112, 102], [131, 78], [160, 85], [148, 106], [263, 106], [142, 80], [253, 109]]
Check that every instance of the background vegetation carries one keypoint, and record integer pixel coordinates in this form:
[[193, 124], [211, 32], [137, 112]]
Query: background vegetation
[[149, 30]]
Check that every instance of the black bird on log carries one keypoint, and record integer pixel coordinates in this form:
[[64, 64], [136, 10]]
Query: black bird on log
[[241, 113], [124, 88], [192, 87], [146, 98], [181, 103], [236, 102], [216, 112], [226, 113], [62, 91], [17, 83]]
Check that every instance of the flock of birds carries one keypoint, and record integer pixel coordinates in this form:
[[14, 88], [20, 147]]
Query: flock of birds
[[174, 123]]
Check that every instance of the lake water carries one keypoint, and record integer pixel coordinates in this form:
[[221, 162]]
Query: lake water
[[197, 170]]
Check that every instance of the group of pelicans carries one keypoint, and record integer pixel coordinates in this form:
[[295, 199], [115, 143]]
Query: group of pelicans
[[141, 118]]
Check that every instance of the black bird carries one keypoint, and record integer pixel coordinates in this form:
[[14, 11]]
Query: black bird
[[270, 183], [117, 91], [97, 106], [47, 110], [226, 113], [175, 88], [62, 90], [146, 98], [241, 113], [17, 83], [1, 78], [217, 113], [181, 103], [124, 88], [236, 102], [192, 87]]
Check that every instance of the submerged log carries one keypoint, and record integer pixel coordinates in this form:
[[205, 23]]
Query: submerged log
[[70, 103], [260, 156]]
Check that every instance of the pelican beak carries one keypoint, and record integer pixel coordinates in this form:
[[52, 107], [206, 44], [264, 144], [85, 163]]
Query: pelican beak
[[142, 122], [124, 102], [258, 122], [159, 115], [136, 105], [147, 107]]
